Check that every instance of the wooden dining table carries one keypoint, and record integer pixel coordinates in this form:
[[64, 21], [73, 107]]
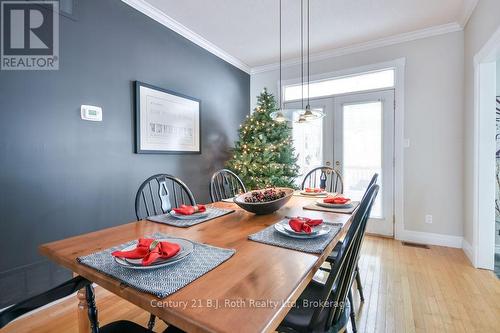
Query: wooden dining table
[[250, 292]]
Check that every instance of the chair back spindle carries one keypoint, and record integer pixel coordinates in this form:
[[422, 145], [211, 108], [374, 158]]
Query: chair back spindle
[[324, 177], [159, 194]]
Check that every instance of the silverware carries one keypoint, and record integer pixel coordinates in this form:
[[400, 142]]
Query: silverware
[[153, 244]]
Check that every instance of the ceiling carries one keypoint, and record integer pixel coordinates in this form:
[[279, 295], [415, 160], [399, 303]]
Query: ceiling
[[247, 30]]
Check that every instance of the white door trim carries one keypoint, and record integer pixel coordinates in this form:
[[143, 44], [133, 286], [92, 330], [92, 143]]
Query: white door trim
[[481, 251], [399, 97]]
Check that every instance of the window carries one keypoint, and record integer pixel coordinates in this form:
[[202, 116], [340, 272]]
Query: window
[[342, 85], [308, 144]]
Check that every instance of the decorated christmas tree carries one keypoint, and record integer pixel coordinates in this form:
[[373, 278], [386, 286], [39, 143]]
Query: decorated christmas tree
[[264, 155]]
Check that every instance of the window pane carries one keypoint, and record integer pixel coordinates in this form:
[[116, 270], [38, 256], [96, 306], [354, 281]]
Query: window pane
[[342, 85], [308, 143], [362, 150]]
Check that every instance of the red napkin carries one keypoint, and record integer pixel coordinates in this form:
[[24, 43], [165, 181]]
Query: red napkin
[[162, 250], [314, 190], [303, 224], [339, 200], [189, 210]]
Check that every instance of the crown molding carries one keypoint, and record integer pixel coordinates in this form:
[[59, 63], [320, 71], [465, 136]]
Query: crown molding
[[162, 18], [467, 10], [396, 39]]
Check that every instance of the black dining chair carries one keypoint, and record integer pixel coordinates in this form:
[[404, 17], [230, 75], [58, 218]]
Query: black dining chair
[[225, 184], [326, 307], [159, 194], [324, 177], [331, 258], [65, 289]]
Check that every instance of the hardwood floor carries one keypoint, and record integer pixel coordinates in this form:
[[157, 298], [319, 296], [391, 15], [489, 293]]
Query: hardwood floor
[[407, 289]]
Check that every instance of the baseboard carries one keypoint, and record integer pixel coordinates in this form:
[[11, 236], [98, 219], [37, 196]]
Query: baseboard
[[431, 238], [468, 251]]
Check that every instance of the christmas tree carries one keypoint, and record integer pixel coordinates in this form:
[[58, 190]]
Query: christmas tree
[[264, 155]]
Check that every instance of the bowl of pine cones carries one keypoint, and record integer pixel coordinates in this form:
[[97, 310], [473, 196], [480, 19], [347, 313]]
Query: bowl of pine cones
[[265, 201]]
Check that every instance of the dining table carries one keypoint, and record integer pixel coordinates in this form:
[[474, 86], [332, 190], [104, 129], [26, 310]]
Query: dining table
[[251, 292]]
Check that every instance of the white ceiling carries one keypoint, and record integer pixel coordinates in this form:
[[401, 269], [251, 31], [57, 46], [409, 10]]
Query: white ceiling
[[248, 29]]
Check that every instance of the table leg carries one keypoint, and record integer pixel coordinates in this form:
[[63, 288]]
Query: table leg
[[83, 316]]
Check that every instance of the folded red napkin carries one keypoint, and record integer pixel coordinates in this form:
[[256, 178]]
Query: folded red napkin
[[189, 210], [303, 224], [314, 190], [143, 251], [339, 200]]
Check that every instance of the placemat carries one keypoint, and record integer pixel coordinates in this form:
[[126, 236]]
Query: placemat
[[350, 210], [312, 245], [162, 281], [213, 213]]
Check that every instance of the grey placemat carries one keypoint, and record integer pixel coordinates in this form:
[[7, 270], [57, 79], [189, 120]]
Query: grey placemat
[[162, 281], [349, 210], [313, 245], [213, 212]]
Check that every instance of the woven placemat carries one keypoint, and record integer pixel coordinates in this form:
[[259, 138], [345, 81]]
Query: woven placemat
[[213, 212], [162, 281], [270, 236], [349, 210]]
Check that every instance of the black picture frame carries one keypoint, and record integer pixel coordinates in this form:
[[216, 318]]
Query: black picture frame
[[138, 150]]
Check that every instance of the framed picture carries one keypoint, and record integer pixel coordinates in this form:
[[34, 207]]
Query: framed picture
[[166, 122]]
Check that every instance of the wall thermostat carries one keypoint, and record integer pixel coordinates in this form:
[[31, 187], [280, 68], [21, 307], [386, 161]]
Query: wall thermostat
[[90, 112]]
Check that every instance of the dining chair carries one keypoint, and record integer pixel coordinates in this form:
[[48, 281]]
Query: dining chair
[[324, 177], [326, 307], [159, 194], [65, 289], [331, 258], [225, 184]]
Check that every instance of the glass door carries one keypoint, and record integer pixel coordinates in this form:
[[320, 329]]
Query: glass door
[[310, 139], [363, 144]]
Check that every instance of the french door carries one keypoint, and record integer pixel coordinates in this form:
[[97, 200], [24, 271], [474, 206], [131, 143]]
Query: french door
[[357, 139]]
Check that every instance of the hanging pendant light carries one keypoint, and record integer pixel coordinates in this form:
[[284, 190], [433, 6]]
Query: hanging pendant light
[[310, 114], [283, 115], [301, 115]]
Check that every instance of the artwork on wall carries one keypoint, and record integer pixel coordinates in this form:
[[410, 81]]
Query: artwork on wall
[[166, 122]]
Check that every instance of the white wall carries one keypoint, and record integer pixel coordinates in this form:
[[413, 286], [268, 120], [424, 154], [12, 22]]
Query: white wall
[[497, 224], [483, 23], [433, 123], [498, 78]]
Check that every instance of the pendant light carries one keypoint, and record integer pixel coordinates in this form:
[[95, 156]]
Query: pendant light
[[278, 115], [284, 115], [309, 114], [304, 114]]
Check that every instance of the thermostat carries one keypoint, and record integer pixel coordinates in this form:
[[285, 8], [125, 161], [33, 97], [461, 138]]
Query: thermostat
[[92, 113]]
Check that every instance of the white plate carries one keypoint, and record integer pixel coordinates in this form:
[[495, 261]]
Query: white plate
[[319, 230], [186, 248], [313, 194], [320, 202], [189, 217]]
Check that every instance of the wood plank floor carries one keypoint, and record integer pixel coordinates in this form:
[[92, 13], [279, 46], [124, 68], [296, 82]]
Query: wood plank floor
[[407, 289]]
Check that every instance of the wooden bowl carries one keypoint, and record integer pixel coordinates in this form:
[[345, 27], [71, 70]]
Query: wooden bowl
[[262, 208]]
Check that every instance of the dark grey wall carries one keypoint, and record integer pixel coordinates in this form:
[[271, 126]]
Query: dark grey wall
[[62, 176]]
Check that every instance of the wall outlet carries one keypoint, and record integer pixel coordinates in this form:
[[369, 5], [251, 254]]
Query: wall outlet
[[428, 219]]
